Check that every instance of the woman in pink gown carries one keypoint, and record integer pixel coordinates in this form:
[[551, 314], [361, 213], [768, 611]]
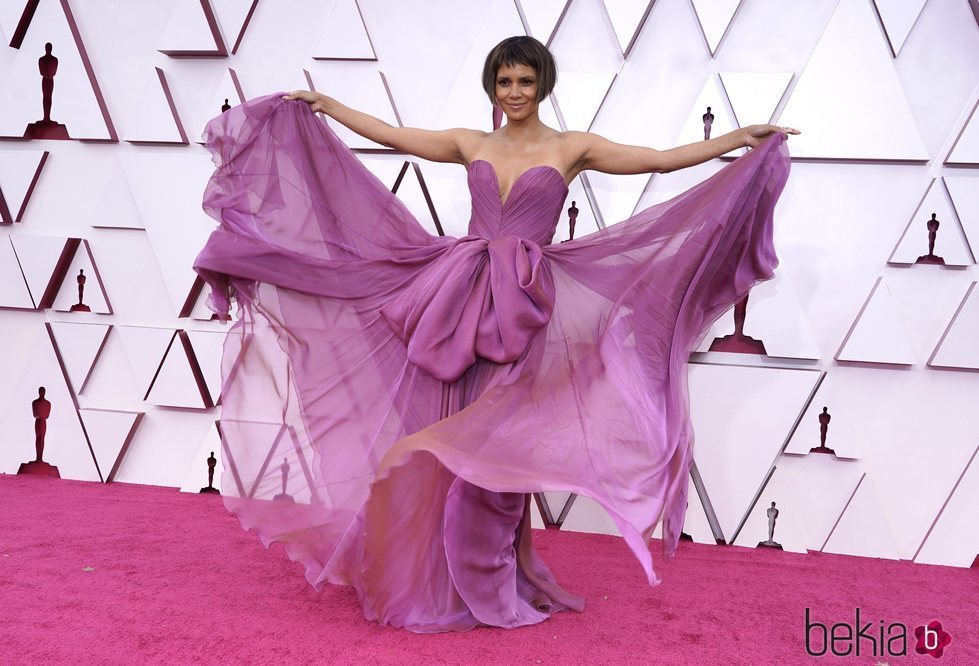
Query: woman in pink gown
[[418, 388]]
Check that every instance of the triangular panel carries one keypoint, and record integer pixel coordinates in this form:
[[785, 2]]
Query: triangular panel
[[627, 17], [179, 381], [897, 17], [953, 539], [192, 31], [849, 102], [580, 95], [145, 349], [78, 110], [965, 151], [542, 17], [13, 288], [110, 432], [951, 248], [156, 119], [344, 36], [80, 346], [742, 416], [878, 334], [959, 345], [754, 96], [863, 528], [19, 173], [715, 17]]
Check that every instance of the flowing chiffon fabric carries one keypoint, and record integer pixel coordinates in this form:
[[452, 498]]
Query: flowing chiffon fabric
[[391, 397]]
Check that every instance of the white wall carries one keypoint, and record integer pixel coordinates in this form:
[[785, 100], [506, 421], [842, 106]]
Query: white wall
[[884, 92]]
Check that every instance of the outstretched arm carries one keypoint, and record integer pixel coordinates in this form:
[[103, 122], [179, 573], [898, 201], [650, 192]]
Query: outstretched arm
[[435, 145], [600, 154]]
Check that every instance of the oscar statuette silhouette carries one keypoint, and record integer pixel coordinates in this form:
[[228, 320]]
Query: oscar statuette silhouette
[[772, 514], [572, 220], [931, 257], [284, 496], [212, 462], [708, 119], [80, 306], [738, 342], [47, 128], [824, 419], [41, 408]]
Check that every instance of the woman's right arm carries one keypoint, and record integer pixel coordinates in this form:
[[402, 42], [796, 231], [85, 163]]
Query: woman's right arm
[[435, 145]]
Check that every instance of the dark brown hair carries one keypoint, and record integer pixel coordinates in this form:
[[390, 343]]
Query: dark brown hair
[[521, 50]]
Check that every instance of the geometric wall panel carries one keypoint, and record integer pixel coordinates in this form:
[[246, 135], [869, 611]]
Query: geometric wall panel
[[19, 172], [116, 208], [345, 35], [711, 96], [953, 540], [627, 17], [822, 488], [155, 119], [587, 515], [849, 100], [234, 17], [179, 381], [950, 241], [145, 348], [863, 529], [964, 191], [775, 317], [82, 289], [13, 289], [364, 89], [76, 100], [110, 432], [878, 334], [897, 17], [581, 94], [192, 31], [43, 261], [715, 17], [542, 17], [229, 92], [754, 96], [208, 351], [80, 346], [959, 345], [167, 189], [65, 443], [196, 477], [781, 490], [751, 411], [966, 147]]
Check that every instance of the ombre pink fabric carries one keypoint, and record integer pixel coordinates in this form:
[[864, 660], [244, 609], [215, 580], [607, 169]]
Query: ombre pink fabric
[[391, 398]]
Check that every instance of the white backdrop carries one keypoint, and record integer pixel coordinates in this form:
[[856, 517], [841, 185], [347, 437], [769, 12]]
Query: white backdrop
[[885, 92]]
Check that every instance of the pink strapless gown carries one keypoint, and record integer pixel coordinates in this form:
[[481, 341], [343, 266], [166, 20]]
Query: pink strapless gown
[[416, 388]]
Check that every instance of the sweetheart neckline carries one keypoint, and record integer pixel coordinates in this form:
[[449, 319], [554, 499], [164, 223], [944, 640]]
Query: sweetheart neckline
[[516, 180]]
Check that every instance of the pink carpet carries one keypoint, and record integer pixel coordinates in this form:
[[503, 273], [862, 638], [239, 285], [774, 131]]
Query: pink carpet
[[120, 573]]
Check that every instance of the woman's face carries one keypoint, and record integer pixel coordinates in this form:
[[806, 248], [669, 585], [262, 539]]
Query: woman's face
[[516, 90]]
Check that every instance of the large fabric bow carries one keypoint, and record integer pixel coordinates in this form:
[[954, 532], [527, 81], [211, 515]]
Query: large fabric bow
[[482, 297]]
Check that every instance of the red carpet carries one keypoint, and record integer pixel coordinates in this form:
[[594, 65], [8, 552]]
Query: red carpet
[[119, 573]]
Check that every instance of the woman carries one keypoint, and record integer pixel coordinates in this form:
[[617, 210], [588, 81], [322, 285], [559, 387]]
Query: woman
[[424, 386]]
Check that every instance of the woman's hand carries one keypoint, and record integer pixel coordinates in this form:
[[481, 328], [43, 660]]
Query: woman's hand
[[755, 134], [314, 99]]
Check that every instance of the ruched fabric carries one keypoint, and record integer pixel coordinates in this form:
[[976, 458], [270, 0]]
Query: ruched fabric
[[483, 297], [391, 398]]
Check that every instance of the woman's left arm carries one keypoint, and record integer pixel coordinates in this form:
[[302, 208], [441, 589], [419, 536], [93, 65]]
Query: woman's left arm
[[600, 154]]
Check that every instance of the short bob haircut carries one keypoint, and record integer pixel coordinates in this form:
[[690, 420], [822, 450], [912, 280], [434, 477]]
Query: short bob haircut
[[521, 50]]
